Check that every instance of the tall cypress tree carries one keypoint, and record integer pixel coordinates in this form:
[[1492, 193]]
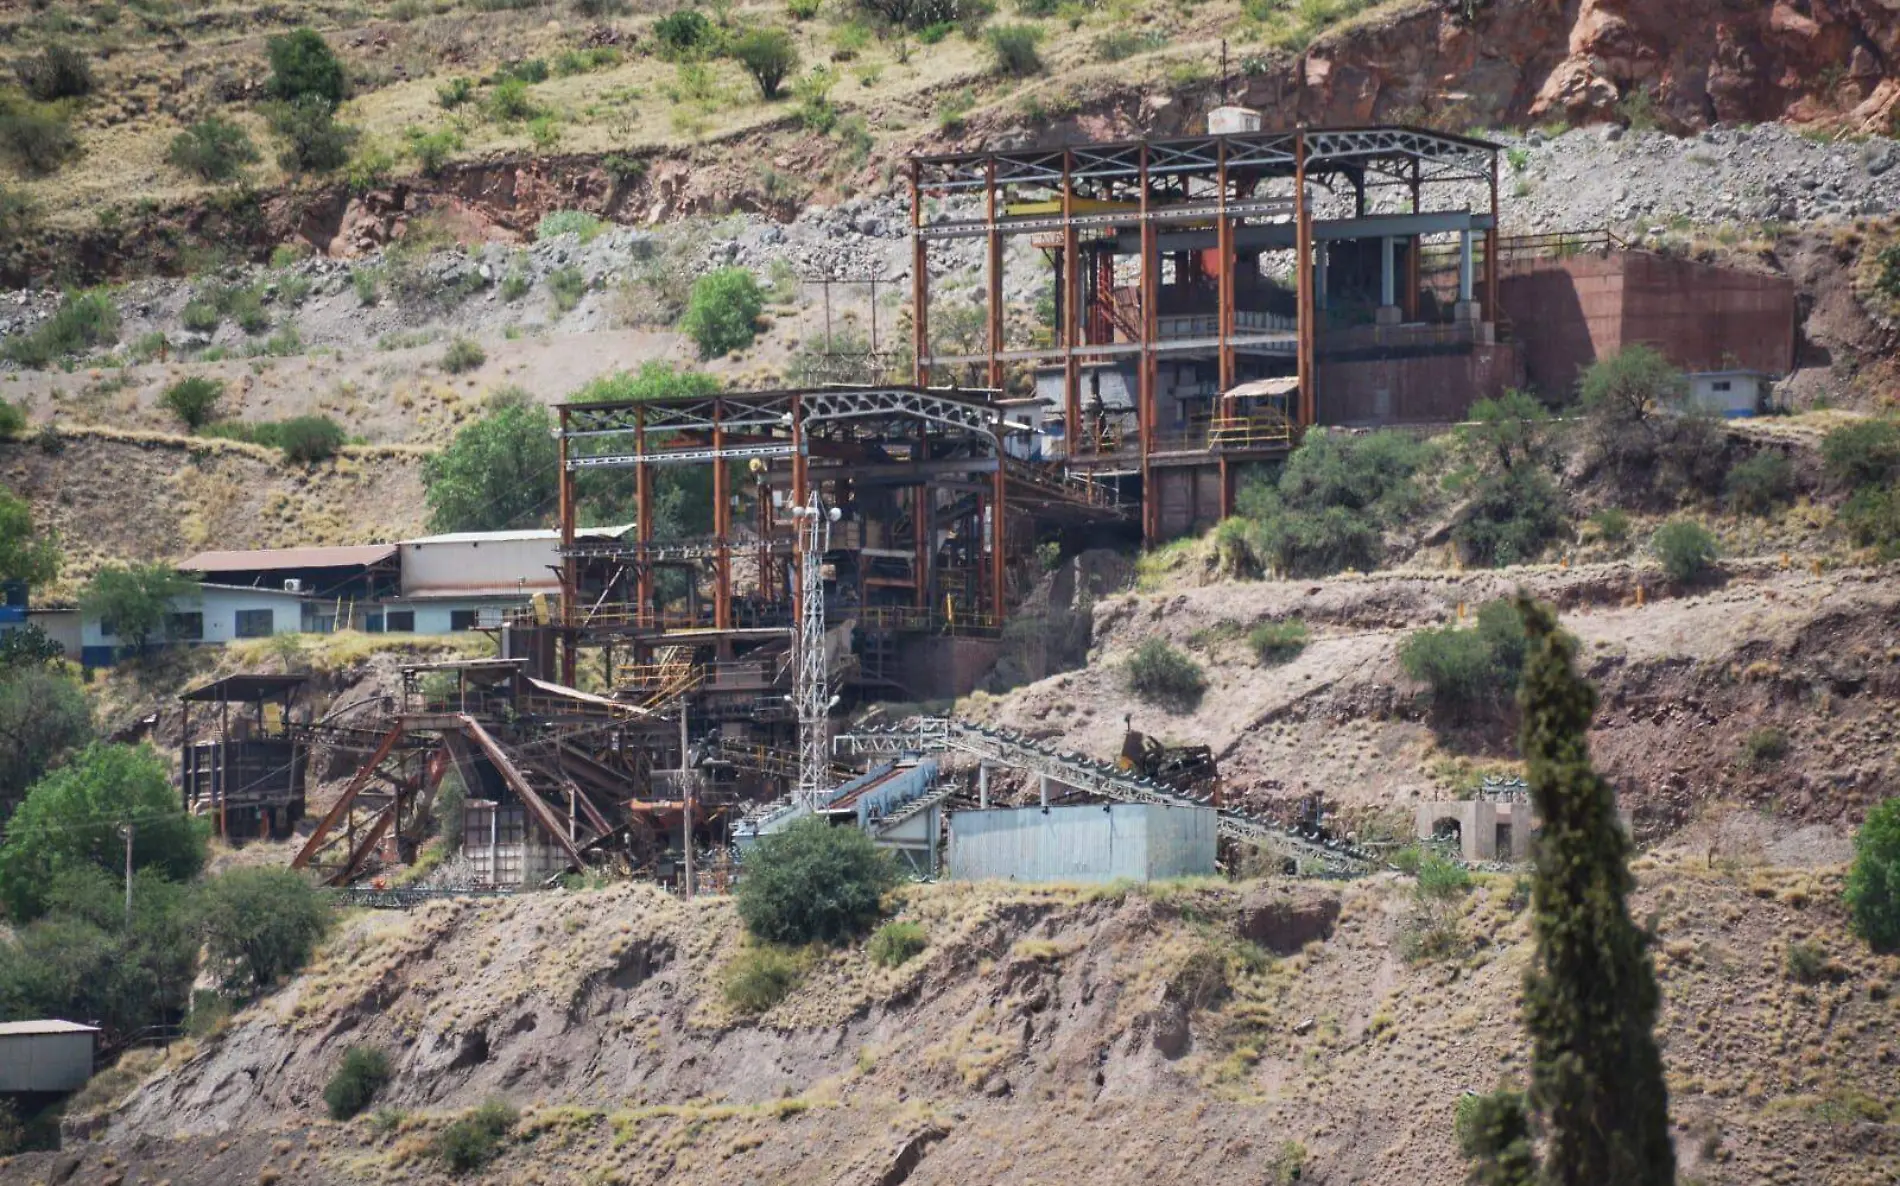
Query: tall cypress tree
[[1590, 998]]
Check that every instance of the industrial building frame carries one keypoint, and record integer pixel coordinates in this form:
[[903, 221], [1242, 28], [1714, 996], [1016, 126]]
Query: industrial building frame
[[1253, 187]]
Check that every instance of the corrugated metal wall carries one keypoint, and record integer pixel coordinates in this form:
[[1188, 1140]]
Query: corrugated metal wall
[[45, 1062], [1103, 842]]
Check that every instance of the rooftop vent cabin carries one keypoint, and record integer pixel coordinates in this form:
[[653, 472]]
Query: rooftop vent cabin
[[1211, 295]]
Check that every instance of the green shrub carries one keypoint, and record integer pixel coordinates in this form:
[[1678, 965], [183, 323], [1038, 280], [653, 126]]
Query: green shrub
[[584, 226], [815, 109], [313, 141], [933, 33], [579, 61], [212, 149], [37, 139], [683, 34], [463, 354], [1612, 524], [769, 55], [194, 401], [260, 926], [1510, 518], [1160, 674], [1442, 880], [83, 321], [367, 282], [1871, 517], [362, 1073], [1757, 484], [1118, 44], [1685, 548], [471, 1142], [515, 283], [432, 150], [1642, 435], [1865, 453], [723, 312], [803, 10], [306, 439], [1013, 48], [1454, 663], [455, 92], [1765, 746], [759, 977], [1328, 509], [510, 102], [1494, 1134], [544, 131], [1873, 881], [813, 883], [12, 419], [567, 285], [896, 943], [528, 70], [303, 66], [59, 72], [1278, 642], [1807, 962]]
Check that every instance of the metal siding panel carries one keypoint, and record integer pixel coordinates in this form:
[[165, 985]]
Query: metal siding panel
[[45, 1062], [1083, 843]]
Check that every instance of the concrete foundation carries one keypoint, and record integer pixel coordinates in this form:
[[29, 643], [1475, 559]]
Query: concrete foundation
[[1487, 830]]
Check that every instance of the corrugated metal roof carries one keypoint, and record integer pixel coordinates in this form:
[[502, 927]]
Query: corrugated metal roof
[[349, 556], [524, 534], [14, 1029]]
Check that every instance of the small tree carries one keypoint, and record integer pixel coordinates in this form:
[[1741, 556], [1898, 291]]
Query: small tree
[[194, 401], [60, 72], [1864, 453], [308, 439], [814, 883], [683, 33], [1873, 882], [313, 141], [303, 65], [261, 924], [722, 314], [497, 474], [1160, 674], [26, 554], [362, 1073], [1013, 47], [1685, 548], [1454, 663], [463, 354], [212, 149], [44, 715], [1590, 997], [1759, 483], [135, 600], [71, 818], [1494, 1133], [769, 55]]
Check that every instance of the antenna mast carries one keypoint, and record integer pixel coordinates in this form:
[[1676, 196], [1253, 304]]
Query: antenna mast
[[811, 694]]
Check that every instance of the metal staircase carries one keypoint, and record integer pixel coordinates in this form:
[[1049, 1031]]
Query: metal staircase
[[1006, 748]]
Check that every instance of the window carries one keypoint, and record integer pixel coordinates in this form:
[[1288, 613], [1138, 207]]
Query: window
[[461, 619], [1719, 385], [372, 623], [400, 621], [256, 623], [187, 627]]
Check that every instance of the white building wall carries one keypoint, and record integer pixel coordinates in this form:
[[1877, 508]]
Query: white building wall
[[220, 609], [517, 565]]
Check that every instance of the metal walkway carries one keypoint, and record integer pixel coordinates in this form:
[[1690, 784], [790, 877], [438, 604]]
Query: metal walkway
[[1006, 748]]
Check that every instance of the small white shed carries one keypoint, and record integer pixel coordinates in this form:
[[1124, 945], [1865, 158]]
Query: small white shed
[[45, 1056], [1731, 394]]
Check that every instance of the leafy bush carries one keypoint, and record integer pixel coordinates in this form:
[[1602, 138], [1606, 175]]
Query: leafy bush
[[497, 474], [1686, 549], [313, 141], [303, 66], [1612, 524], [1757, 484], [515, 283], [813, 883], [1642, 433], [1765, 746], [25, 646], [306, 439], [470, 1142], [1807, 962], [59, 72], [582, 225], [1864, 453], [723, 312], [455, 92], [759, 977], [769, 55], [1118, 44], [194, 401], [1873, 881], [1454, 663], [1160, 674], [1013, 47], [803, 10], [566, 285], [1871, 517], [683, 33], [1278, 642], [463, 354], [261, 924], [38, 139], [12, 418], [362, 1073], [815, 109], [82, 321], [529, 70], [212, 149], [1328, 509], [896, 943], [1510, 518], [70, 818], [510, 102], [1442, 880], [1494, 1134], [432, 150]]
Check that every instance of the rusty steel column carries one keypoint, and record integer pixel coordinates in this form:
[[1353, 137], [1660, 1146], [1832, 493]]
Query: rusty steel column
[[1224, 300], [570, 575], [1226, 489], [1412, 270], [920, 523], [722, 524], [919, 281], [995, 239], [1071, 361], [1303, 253], [1145, 360], [643, 501], [1491, 250], [999, 515], [798, 500]]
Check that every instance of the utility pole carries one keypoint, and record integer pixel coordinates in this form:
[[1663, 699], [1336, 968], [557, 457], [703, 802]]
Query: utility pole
[[125, 830]]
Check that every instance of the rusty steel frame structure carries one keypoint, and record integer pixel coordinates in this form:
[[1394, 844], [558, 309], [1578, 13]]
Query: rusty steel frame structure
[[1163, 186]]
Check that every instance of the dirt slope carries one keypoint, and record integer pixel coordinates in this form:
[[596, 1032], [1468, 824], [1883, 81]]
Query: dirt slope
[[1208, 1034]]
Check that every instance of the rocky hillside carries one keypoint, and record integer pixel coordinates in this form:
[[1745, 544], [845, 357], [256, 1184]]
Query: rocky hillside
[[1217, 1034]]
